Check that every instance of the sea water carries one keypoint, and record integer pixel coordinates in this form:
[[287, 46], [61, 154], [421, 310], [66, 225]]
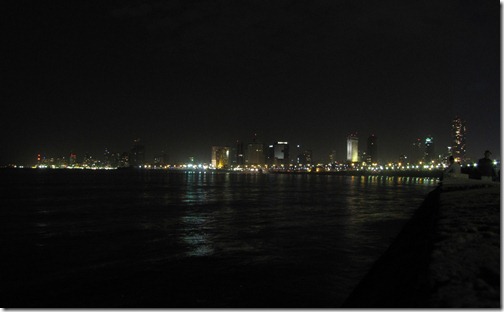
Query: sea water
[[189, 239]]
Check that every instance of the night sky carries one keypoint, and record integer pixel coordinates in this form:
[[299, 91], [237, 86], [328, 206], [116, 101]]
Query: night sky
[[182, 76]]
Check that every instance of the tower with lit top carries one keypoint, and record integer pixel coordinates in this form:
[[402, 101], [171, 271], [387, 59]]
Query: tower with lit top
[[281, 153], [429, 149]]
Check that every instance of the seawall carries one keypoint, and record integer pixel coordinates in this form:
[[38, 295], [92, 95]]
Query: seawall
[[446, 256]]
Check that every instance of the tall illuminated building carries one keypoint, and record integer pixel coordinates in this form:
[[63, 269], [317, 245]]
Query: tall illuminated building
[[372, 149], [458, 135], [429, 149], [281, 152], [220, 157], [304, 157], [353, 147]]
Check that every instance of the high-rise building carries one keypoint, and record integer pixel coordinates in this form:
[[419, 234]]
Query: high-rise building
[[429, 149], [220, 157], [281, 150], [372, 149], [240, 155], [458, 135], [255, 154], [269, 155], [305, 157], [352, 147], [137, 154], [416, 152]]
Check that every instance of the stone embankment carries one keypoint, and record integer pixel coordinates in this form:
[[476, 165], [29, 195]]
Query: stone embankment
[[447, 256]]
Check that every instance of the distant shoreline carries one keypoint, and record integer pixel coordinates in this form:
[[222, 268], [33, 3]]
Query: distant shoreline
[[389, 173]]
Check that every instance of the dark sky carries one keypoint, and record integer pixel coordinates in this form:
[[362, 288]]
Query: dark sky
[[185, 75]]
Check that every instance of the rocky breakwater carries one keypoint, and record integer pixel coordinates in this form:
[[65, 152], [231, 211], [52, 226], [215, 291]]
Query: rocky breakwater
[[447, 255], [465, 263]]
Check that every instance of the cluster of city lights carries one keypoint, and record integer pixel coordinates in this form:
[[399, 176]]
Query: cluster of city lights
[[333, 167]]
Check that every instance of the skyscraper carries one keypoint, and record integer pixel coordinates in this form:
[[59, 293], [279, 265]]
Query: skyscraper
[[281, 150], [429, 149], [240, 155], [255, 152], [137, 154], [416, 152], [220, 157], [305, 158], [269, 154], [352, 147], [458, 135], [372, 149]]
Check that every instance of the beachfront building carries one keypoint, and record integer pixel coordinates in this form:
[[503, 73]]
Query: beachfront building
[[352, 148], [220, 157]]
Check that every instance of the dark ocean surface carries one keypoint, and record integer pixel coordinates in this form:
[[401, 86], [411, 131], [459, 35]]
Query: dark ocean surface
[[159, 239]]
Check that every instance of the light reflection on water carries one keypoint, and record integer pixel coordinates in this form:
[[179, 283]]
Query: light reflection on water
[[307, 237], [231, 212]]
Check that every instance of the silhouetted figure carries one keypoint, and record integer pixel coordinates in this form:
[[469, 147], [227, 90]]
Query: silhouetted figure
[[453, 169], [485, 166]]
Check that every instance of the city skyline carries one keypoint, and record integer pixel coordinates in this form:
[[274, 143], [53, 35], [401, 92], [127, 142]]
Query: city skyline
[[257, 152], [82, 77]]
